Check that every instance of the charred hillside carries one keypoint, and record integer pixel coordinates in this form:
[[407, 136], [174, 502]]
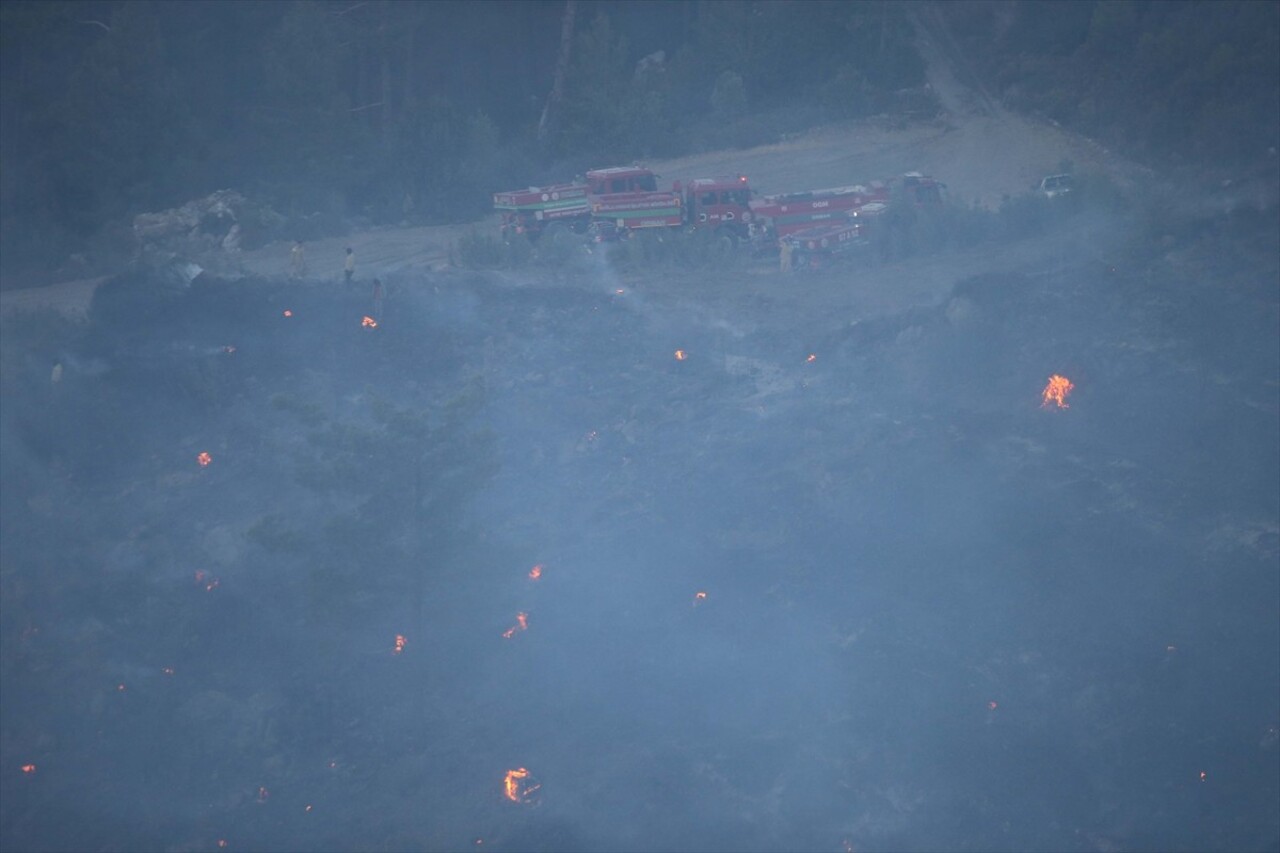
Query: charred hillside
[[866, 587]]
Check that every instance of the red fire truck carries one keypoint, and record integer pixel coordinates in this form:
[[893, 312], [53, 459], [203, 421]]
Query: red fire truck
[[616, 203], [613, 203]]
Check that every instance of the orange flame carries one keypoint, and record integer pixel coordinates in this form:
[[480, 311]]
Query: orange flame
[[811, 359], [369, 322], [28, 768], [288, 313], [522, 624], [699, 597], [535, 572], [1056, 392], [992, 705], [401, 642], [519, 786], [222, 842], [681, 355], [204, 459]]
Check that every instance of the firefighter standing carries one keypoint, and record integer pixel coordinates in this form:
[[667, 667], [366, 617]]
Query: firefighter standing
[[297, 261]]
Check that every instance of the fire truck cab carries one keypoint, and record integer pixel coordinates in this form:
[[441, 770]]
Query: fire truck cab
[[721, 204]]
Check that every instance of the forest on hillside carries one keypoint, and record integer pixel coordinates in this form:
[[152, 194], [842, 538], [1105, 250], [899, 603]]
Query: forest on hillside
[[363, 112]]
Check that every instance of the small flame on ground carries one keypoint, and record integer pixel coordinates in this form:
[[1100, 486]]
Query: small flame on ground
[[204, 459], [619, 291], [120, 688], [288, 313], [535, 572], [681, 355], [522, 624], [699, 597], [222, 842], [308, 808], [401, 642], [1056, 392], [369, 322], [519, 786], [992, 705], [28, 769], [811, 359]]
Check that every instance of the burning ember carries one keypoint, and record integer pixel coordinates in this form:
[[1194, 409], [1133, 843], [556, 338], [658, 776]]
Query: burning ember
[[28, 769], [992, 705], [288, 313], [401, 642], [522, 624], [204, 459], [369, 322], [811, 359], [535, 572], [519, 786], [681, 355], [209, 583], [699, 597], [1056, 392]]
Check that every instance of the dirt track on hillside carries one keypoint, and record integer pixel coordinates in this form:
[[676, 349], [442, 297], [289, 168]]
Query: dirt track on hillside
[[981, 151]]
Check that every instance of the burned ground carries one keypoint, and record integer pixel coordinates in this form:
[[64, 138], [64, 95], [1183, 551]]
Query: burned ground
[[936, 615]]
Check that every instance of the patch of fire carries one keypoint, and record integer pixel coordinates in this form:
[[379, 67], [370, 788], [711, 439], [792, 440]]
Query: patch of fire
[[681, 355], [535, 572], [401, 642], [522, 624], [28, 769], [811, 359], [1056, 391], [203, 459], [369, 322], [699, 597], [521, 787], [288, 313], [207, 581]]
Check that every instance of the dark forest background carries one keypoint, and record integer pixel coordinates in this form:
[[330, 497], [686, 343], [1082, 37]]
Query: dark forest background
[[362, 112]]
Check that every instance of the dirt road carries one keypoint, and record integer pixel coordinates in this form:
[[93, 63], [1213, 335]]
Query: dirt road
[[981, 151]]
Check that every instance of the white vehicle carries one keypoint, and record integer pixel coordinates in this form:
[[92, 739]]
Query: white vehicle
[[1056, 185]]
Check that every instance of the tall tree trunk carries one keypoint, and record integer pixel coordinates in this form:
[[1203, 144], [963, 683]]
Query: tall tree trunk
[[562, 68]]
